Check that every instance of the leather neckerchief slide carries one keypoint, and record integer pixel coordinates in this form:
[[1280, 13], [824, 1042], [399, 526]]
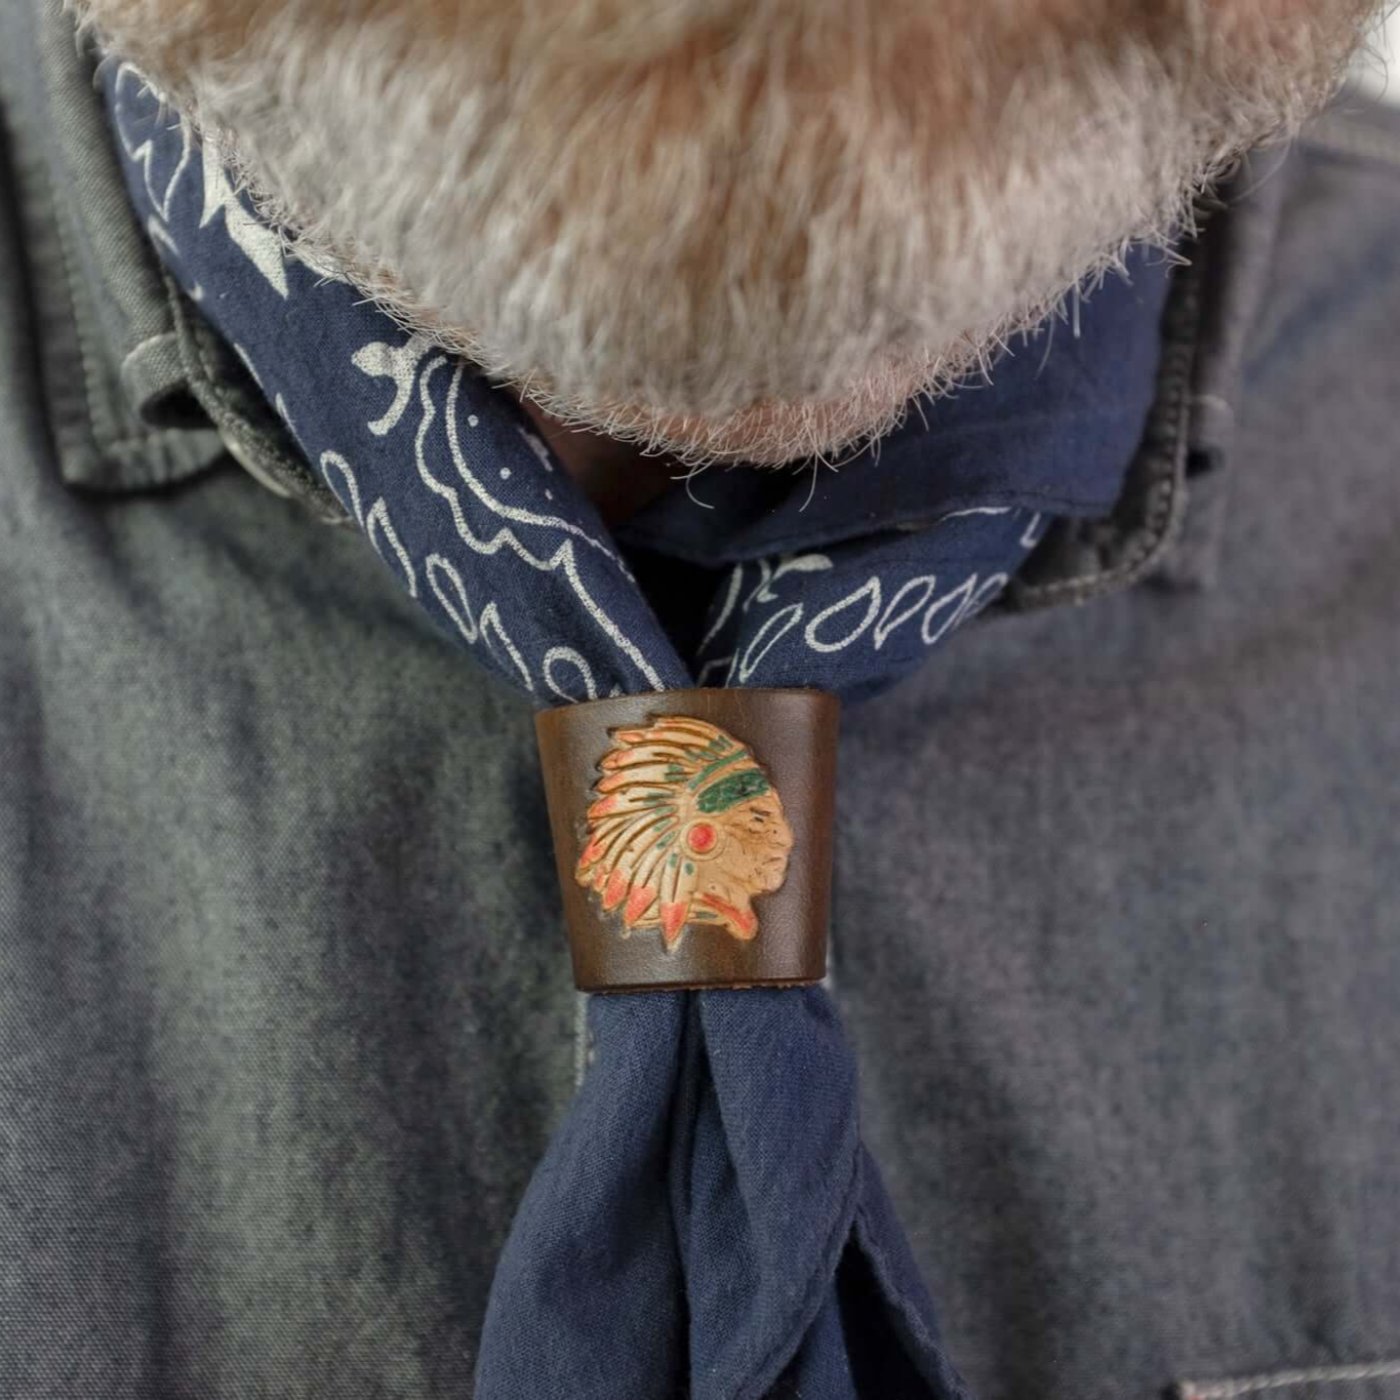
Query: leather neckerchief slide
[[693, 834]]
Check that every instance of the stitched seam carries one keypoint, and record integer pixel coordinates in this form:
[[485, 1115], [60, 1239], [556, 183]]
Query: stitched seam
[[1156, 530], [102, 442], [121, 444], [1163, 488], [1163, 491], [65, 262], [1282, 1380]]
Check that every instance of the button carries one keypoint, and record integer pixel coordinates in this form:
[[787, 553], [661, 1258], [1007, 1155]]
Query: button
[[248, 461]]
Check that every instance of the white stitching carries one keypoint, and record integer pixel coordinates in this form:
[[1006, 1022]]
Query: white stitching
[[1282, 1380], [86, 366]]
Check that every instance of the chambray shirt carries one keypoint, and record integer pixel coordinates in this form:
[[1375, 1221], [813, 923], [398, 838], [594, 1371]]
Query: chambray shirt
[[1123, 961]]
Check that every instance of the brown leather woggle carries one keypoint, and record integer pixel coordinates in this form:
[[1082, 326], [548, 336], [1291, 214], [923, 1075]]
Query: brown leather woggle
[[692, 830]]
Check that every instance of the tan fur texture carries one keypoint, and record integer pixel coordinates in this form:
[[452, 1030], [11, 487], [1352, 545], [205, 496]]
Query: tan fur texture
[[731, 228]]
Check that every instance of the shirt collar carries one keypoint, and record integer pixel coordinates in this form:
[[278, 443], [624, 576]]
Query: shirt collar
[[117, 390]]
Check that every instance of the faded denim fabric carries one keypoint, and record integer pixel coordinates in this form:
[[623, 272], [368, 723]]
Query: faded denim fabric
[[272, 1079]]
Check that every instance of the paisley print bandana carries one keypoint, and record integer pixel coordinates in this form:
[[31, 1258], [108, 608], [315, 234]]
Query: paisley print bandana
[[706, 1221]]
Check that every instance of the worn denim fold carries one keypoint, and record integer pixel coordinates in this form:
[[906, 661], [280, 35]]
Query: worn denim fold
[[708, 1207]]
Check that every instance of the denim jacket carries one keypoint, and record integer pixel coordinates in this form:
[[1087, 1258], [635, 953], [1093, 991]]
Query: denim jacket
[[1123, 960]]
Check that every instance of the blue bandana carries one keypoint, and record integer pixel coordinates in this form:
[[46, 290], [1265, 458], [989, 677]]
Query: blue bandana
[[706, 1221]]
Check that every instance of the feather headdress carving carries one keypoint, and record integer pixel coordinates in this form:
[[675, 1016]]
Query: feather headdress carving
[[685, 828]]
